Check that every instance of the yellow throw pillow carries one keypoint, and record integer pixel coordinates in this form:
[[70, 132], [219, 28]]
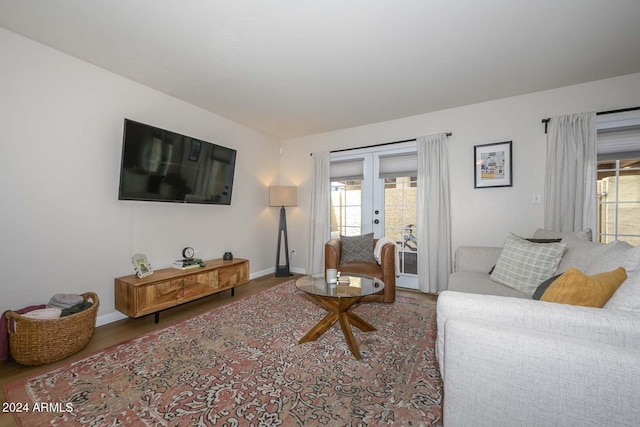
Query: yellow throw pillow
[[576, 288]]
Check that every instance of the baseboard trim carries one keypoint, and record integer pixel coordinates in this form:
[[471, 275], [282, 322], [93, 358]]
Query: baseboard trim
[[110, 318], [257, 274]]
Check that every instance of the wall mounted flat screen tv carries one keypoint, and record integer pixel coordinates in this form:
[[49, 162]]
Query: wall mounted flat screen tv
[[164, 166]]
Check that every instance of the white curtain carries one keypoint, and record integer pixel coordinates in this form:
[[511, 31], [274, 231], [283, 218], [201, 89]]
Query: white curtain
[[319, 213], [570, 186], [434, 214]]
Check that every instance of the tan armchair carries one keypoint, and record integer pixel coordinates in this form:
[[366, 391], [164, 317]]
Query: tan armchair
[[386, 271]]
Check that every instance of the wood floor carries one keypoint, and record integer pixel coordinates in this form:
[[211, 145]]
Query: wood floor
[[126, 329]]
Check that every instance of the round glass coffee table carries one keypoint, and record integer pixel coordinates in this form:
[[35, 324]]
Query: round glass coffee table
[[338, 299]]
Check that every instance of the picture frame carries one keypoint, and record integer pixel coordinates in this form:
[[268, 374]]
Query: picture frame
[[194, 152], [141, 265], [493, 165]]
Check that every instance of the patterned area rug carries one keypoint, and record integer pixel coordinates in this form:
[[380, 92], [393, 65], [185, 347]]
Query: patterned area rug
[[241, 365]]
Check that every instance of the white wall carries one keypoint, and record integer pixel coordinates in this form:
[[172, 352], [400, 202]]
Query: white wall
[[62, 229], [479, 216]]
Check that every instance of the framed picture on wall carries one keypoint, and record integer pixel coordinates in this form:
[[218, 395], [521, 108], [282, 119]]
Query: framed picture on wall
[[493, 166]]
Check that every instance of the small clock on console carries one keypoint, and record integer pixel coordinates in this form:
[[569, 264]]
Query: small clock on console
[[188, 252]]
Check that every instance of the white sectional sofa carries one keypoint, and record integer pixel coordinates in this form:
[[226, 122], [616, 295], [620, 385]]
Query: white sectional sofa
[[509, 361]]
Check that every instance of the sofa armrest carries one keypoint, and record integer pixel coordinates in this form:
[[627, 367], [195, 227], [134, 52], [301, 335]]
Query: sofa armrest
[[478, 259], [503, 376], [614, 327]]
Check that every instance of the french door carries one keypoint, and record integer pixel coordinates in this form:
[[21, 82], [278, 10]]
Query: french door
[[375, 191]]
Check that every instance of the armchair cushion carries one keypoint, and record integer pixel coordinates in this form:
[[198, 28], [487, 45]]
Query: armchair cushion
[[357, 248]]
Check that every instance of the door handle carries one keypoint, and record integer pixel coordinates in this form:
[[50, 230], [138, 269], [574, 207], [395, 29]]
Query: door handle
[[376, 221]]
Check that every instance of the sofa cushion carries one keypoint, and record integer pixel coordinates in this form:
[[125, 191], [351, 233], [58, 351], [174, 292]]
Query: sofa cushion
[[523, 265], [576, 288], [617, 254], [542, 233], [479, 283], [580, 253], [627, 297], [357, 248]]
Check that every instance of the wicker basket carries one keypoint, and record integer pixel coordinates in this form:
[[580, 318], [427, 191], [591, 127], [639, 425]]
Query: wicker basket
[[38, 341]]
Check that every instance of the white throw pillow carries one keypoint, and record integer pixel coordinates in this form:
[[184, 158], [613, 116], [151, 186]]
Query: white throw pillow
[[627, 296], [580, 253], [618, 254], [523, 265]]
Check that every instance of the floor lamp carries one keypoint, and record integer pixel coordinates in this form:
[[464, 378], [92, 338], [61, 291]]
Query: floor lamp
[[283, 196]]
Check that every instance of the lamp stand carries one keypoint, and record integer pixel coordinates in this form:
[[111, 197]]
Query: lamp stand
[[283, 270]]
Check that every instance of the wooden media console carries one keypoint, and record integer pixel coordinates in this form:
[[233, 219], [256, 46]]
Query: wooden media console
[[169, 287]]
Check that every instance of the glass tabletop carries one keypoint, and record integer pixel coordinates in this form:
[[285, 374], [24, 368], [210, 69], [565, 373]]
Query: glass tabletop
[[347, 286]]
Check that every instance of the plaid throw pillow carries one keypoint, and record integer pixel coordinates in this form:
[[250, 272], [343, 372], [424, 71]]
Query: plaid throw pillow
[[523, 265], [357, 248]]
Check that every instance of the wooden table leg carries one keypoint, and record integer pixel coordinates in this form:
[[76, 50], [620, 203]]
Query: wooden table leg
[[359, 323], [320, 328], [348, 335], [339, 310]]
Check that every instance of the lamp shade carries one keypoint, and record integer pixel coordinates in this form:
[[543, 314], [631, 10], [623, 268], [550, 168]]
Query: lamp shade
[[283, 196]]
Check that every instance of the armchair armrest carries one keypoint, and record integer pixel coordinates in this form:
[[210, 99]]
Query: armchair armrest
[[332, 253], [502, 376], [476, 258], [388, 258]]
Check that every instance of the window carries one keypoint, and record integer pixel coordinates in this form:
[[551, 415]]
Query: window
[[346, 207], [619, 177], [346, 196], [619, 200]]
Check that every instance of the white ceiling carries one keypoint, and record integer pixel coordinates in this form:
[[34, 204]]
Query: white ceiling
[[298, 67]]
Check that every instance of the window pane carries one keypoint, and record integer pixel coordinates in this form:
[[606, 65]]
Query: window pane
[[632, 240], [400, 195], [346, 197], [619, 200], [628, 218]]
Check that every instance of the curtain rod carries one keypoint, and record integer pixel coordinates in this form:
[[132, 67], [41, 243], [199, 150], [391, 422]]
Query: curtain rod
[[378, 145], [599, 113]]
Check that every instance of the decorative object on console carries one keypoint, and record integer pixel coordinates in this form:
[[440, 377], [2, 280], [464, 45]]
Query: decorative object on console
[[228, 256], [188, 260], [283, 196], [141, 265], [493, 165], [188, 252]]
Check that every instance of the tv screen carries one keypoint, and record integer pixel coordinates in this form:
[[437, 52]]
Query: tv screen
[[159, 165]]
